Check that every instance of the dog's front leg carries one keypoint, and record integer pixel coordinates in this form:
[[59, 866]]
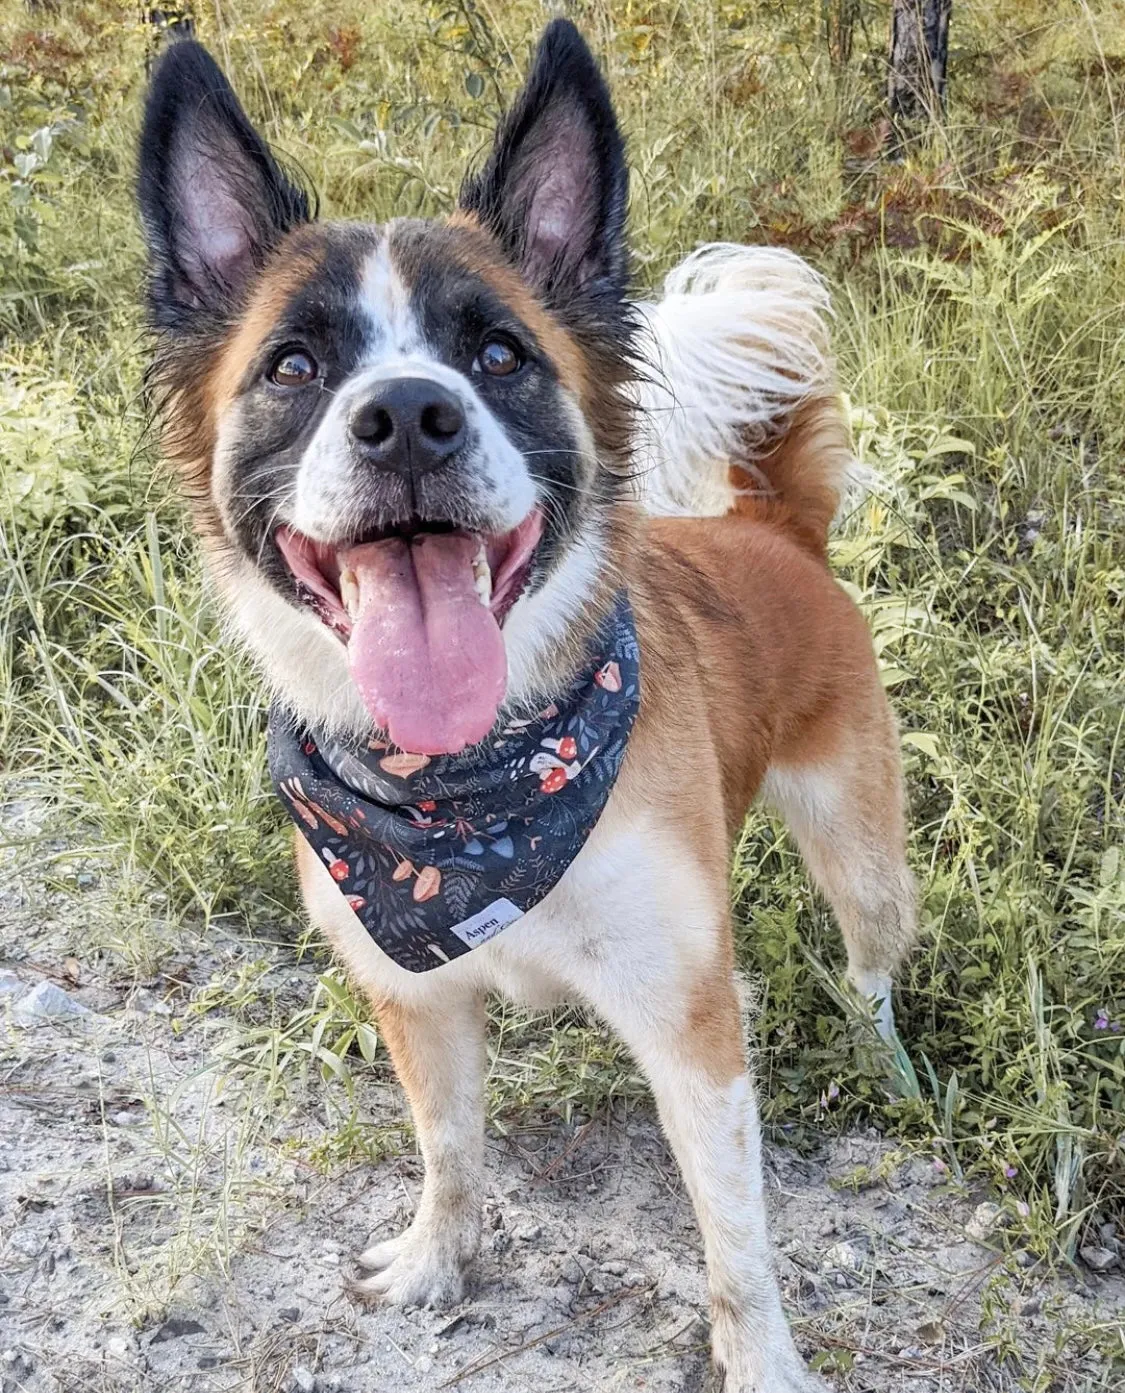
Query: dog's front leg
[[438, 1053]]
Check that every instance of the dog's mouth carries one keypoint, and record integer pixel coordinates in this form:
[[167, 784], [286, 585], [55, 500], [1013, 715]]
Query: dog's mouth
[[420, 607]]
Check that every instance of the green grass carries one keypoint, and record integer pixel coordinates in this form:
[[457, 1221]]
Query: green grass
[[981, 333]]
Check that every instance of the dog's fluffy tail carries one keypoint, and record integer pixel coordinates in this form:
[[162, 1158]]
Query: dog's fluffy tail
[[738, 405]]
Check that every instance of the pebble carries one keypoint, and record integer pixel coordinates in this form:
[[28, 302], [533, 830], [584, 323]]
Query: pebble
[[423, 1364], [830, 1224], [529, 1233], [10, 984], [846, 1256], [985, 1219], [1097, 1258], [46, 1002], [146, 1003], [26, 1241], [175, 1327], [302, 1380], [19, 1366]]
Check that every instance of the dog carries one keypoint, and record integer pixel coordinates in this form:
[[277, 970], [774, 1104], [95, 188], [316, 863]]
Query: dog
[[447, 475]]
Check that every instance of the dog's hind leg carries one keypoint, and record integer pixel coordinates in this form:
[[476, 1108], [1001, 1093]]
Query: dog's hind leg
[[660, 972], [845, 811], [691, 1049]]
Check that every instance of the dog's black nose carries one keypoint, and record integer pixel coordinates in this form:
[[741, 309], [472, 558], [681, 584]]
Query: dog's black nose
[[408, 425]]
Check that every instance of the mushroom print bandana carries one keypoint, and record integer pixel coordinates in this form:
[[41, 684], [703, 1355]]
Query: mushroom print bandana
[[438, 854]]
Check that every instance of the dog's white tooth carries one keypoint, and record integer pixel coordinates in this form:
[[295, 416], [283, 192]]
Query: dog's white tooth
[[482, 576], [349, 592]]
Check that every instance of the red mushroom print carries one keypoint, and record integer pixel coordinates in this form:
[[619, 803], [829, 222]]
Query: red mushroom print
[[338, 870], [355, 902], [553, 780], [427, 805], [568, 747]]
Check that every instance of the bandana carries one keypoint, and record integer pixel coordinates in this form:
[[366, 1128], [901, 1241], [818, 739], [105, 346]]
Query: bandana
[[438, 854]]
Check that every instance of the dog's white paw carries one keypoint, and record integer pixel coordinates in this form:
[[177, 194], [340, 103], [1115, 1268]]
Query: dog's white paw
[[425, 1266], [765, 1362]]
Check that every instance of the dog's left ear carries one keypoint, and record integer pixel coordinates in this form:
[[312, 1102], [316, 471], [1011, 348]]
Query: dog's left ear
[[555, 186]]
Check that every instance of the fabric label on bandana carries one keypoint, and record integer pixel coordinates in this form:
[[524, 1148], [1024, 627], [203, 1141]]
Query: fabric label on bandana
[[488, 923], [436, 855]]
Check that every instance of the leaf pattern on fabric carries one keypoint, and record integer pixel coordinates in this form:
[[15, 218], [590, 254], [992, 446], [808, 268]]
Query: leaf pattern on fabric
[[421, 847]]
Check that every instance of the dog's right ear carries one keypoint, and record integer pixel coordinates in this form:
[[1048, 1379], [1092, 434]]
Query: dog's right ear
[[213, 200]]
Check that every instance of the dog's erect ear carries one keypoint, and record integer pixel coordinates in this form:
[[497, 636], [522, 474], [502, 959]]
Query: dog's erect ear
[[554, 188], [213, 199]]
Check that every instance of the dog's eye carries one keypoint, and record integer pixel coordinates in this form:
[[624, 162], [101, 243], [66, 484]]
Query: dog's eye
[[498, 358], [293, 368]]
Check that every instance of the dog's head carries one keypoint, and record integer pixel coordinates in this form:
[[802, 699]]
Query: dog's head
[[404, 441]]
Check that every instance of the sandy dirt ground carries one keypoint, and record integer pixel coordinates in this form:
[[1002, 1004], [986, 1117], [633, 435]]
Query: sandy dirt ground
[[164, 1226]]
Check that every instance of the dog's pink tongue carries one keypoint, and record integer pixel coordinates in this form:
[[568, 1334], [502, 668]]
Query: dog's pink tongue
[[427, 656]]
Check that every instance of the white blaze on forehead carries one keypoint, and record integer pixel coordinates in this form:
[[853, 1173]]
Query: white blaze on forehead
[[384, 301]]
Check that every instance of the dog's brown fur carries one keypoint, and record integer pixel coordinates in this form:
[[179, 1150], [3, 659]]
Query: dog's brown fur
[[755, 658]]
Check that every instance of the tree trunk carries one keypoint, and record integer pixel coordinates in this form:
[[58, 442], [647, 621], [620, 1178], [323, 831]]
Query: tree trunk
[[840, 18], [919, 49]]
